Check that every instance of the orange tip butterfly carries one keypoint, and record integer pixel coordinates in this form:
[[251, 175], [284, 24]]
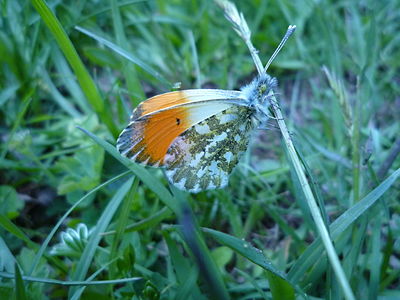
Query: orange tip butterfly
[[198, 136]]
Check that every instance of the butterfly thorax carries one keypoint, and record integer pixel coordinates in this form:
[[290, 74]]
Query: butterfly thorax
[[258, 93]]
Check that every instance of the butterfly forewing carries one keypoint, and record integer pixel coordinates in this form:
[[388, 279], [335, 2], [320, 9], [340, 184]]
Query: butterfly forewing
[[149, 135], [205, 154], [181, 98]]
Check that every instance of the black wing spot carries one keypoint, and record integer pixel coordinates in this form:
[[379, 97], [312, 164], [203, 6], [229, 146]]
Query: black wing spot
[[178, 121]]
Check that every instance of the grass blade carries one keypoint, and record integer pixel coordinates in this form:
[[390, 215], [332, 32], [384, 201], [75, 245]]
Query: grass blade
[[62, 219], [148, 179], [151, 221], [121, 224], [313, 252], [20, 293], [195, 241], [23, 108], [88, 86], [103, 222], [128, 70], [239, 24], [280, 289], [70, 282], [181, 264], [126, 55], [7, 260], [245, 249]]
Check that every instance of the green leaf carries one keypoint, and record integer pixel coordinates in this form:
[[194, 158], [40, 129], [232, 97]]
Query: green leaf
[[222, 256], [7, 260], [10, 202], [83, 170]]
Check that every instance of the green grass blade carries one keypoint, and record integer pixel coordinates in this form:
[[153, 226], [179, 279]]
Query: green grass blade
[[314, 188], [195, 60], [20, 292], [280, 289], [375, 259], [126, 55], [122, 221], [188, 286], [7, 93], [255, 284], [88, 86], [181, 266], [69, 82], [90, 281], [152, 182], [129, 71], [102, 224], [355, 144], [13, 229], [7, 260], [23, 108], [64, 217], [313, 252], [71, 282], [240, 25], [279, 280], [314, 210], [245, 249], [151, 221], [59, 98], [194, 239]]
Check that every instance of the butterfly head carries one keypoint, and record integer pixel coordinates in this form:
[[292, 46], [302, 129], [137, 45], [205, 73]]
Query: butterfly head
[[259, 90]]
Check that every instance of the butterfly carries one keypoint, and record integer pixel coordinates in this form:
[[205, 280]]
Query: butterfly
[[198, 135]]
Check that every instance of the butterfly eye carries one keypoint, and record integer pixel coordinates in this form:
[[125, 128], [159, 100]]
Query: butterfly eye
[[262, 88]]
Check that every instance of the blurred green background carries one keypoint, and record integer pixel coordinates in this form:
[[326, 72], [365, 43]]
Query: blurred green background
[[339, 90]]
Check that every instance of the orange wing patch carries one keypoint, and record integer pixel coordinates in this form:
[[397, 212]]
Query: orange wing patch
[[148, 139], [159, 102], [160, 131]]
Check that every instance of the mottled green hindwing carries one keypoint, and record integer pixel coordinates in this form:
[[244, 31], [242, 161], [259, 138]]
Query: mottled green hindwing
[[204, 156]]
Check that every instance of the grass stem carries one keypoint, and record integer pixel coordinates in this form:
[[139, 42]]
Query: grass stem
[[240, 27]]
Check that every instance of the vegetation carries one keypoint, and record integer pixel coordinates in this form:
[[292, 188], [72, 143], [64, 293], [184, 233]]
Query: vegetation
[[78, 221]]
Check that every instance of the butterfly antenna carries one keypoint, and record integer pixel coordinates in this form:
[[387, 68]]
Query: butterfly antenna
[[288, 33]]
